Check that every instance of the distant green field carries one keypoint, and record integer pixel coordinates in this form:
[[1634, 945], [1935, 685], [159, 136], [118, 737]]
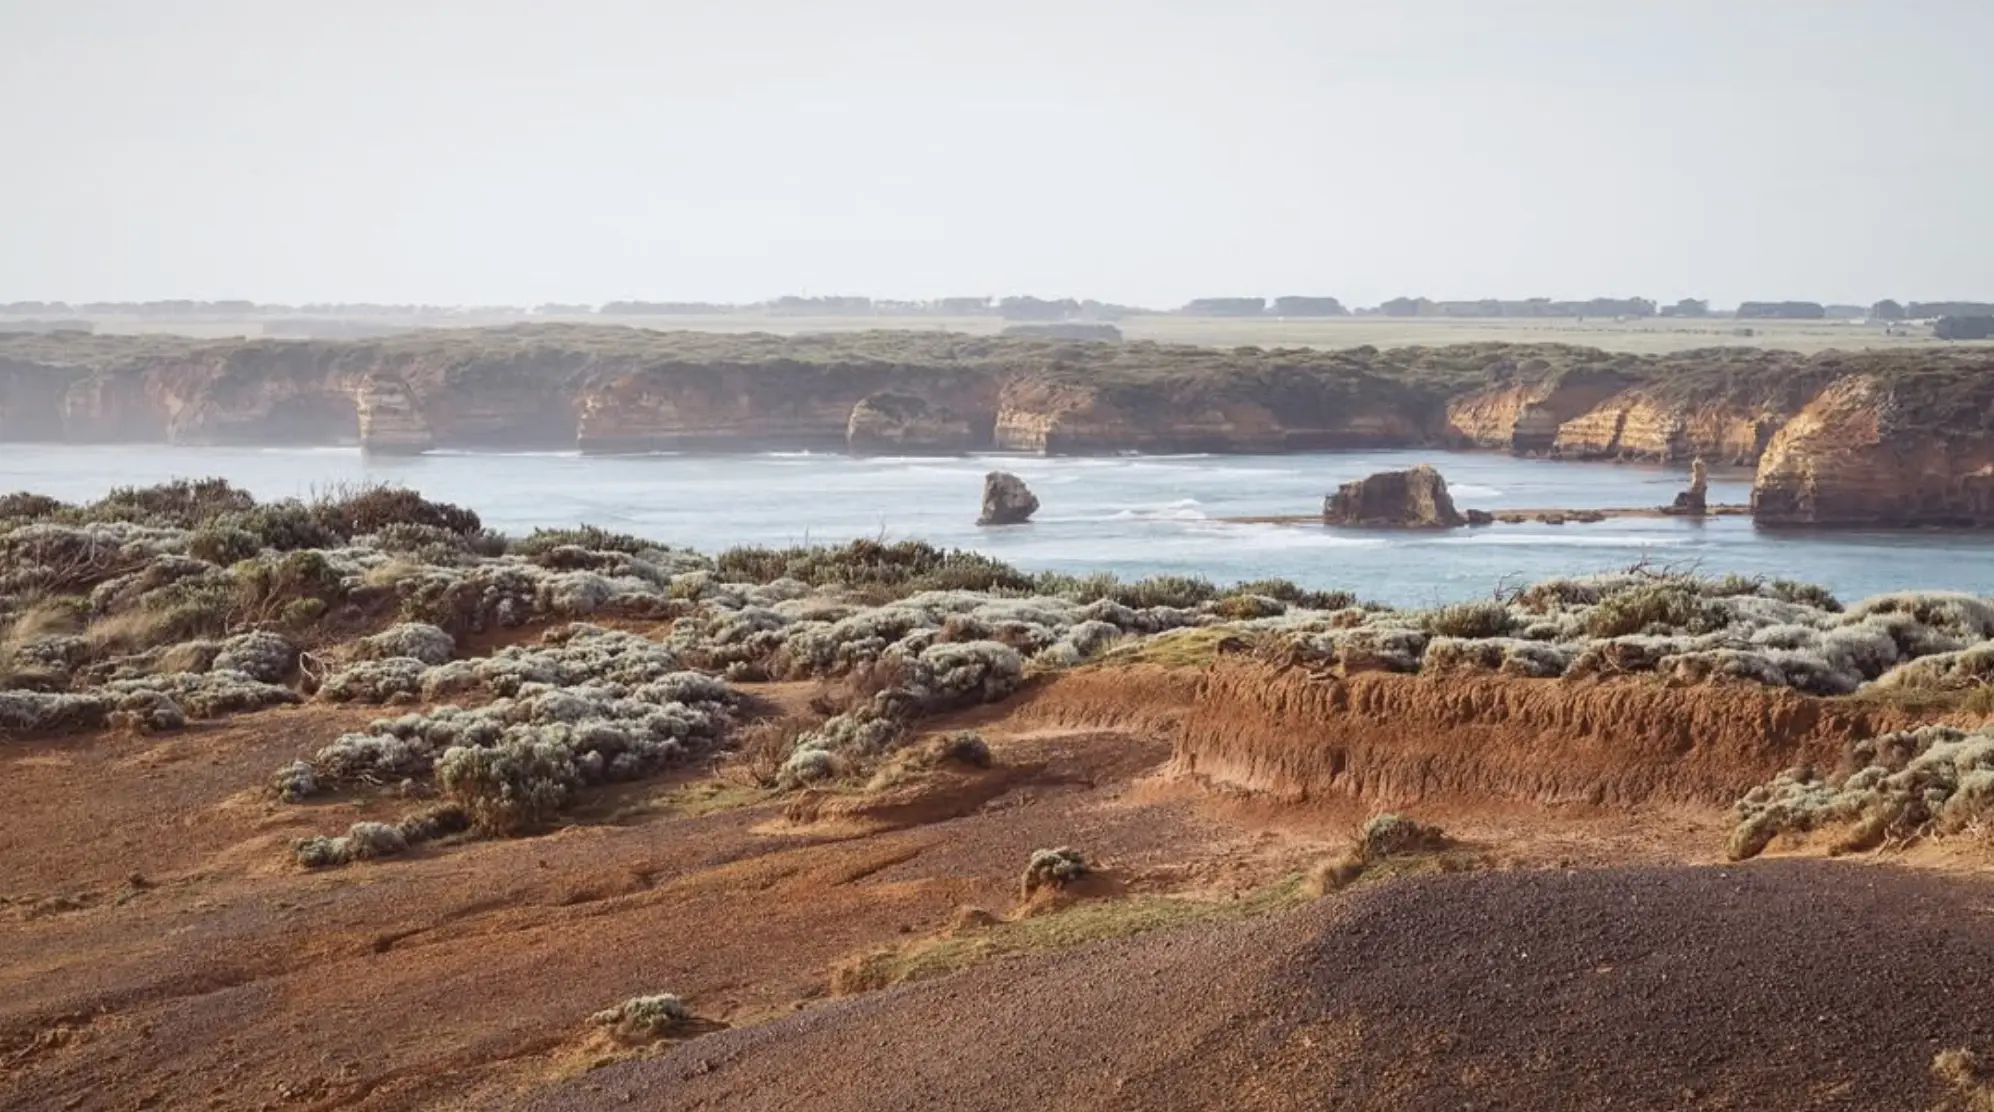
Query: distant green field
[[1653, 335]]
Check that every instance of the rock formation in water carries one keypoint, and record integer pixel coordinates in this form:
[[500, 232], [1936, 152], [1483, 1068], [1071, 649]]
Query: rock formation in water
[[1694, 501], [904, 424], [1415, 498], [1871, 453], [1007, 500]]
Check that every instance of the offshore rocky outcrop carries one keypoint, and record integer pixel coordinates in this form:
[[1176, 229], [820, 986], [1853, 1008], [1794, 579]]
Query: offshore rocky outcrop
[[1006, 500], [616, 389], [1871, 452], [1415, 498]]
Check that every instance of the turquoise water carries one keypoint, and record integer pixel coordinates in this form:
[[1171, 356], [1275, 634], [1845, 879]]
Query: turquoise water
[[1127, 515]]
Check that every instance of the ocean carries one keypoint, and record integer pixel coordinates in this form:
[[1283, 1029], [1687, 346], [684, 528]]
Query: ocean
[[1130, 515]]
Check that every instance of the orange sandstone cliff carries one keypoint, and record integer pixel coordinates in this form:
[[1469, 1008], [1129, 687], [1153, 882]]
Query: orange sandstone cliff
[[1869, 452]]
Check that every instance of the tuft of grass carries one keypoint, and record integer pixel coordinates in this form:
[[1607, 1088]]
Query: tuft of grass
[[1063, 929], [1965, 1076], [1390, 845], [644, 1018], [1181, 648]]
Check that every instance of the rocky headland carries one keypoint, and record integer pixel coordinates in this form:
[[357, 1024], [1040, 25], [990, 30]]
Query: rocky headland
[[1899, 438]]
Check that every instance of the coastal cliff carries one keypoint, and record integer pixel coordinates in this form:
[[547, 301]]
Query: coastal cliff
[[1918, 458], [1868, 452], [1058, 417]]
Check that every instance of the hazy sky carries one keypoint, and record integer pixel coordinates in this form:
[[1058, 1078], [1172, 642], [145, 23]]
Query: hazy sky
[[1148, 151]]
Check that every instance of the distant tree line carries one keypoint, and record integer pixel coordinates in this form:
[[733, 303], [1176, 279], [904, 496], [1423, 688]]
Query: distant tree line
[[1964, 328], [1295, 306], [1782, 310], [1028, 308], [1889, 310], [1529, 307]]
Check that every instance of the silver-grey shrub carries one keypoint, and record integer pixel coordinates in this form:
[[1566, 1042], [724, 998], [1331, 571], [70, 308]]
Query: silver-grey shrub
[[411, 640], [1934, 779]]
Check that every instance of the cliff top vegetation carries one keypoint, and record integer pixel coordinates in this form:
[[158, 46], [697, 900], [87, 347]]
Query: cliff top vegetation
[[1949, 384]]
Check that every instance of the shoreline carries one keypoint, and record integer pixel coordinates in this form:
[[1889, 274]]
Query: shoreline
[[1517, 517]]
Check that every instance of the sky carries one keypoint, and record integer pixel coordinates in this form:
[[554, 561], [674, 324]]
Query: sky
[[1138, 151]]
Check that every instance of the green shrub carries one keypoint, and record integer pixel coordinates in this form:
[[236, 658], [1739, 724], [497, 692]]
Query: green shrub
[[1284, 591], [284, 526], [1471, 620], [181, 504], [266, 588], [516, 787], [186, 609], [1089, 588], [1805, 594], [1666, 606], [586, 537], [1247, 607], [353, 512], [223, 545], [1179, 591], [26, 506], [904, 567]]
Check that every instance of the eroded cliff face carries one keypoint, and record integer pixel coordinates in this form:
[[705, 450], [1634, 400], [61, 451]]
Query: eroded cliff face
[[1393, 740], [391, 419], [906, 424], [1526, 417], [1633, 425], [1059, 417], [1859, 454], [1609, 416], [689, 407]]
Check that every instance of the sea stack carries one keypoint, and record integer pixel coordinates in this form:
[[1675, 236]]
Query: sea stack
[[1007, 500], [1691, 502], [1415, 498]]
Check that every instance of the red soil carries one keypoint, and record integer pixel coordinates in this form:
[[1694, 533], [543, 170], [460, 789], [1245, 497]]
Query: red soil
[[161, 950]]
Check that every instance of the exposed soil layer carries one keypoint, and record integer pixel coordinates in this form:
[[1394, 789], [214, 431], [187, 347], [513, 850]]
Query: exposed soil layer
[[159, 946], [1780, 985], [1393, 739]]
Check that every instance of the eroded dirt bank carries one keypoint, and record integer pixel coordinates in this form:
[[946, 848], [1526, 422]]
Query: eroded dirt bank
[[1393, 740]]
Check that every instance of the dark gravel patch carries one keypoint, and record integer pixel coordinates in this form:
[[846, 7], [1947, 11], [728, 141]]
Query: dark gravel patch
[[1775, 985]]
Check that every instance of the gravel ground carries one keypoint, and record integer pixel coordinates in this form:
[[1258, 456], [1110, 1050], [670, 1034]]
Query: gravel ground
[[1783, 984]]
